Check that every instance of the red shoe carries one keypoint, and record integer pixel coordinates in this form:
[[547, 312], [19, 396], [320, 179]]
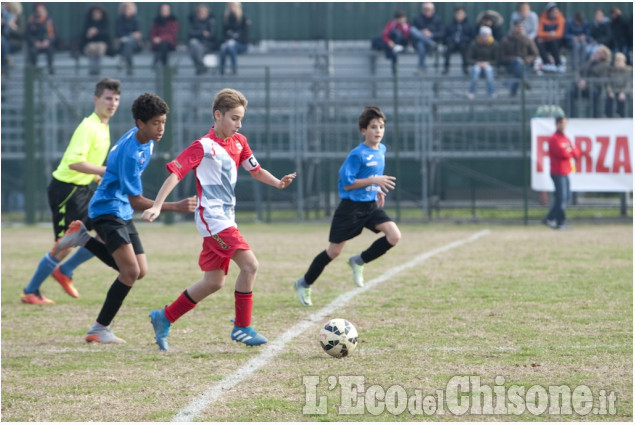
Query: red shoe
[[35, 299], [66, 282]]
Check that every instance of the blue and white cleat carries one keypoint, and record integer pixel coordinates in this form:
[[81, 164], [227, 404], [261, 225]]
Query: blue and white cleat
[[161, 326], [248, 336]]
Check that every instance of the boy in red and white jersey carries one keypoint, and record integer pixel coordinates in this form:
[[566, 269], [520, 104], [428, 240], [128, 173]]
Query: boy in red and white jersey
[[215, 158]]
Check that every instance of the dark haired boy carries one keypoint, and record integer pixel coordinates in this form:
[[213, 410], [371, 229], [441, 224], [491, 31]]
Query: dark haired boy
[[110, 209], [362, 187], [69, 191]]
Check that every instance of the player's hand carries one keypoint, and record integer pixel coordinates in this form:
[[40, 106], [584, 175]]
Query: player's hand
[[387, 183], [286, 180], [97, 179], [151, 214], [381, 199], [186, 205]]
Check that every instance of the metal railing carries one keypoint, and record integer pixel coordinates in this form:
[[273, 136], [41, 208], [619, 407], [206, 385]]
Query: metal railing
[[443, 147]]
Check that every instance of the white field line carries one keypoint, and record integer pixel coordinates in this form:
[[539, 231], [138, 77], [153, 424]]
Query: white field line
[[273, 348]]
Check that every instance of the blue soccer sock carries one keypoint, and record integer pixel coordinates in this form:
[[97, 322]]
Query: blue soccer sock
[[80, 256], [44, 269]]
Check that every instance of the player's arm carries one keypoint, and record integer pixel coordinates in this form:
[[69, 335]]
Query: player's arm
[[266, 177], [178, 168], [152, 209], [387, 183], [88, 168]]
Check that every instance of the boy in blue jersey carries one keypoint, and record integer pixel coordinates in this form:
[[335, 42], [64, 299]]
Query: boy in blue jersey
[[119, 194], [362, 186]]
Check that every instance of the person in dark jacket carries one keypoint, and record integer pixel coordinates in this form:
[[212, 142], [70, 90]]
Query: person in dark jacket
[[128, 36], [458, 36], [483, 58], [235, 35], [40, 36], [95, 40], [163, 34], [426, 31], [576, 38], [599, 32], [201, 36], [518, 53], [621, 33]]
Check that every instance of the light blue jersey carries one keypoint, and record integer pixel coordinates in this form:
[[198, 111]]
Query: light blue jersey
[[362, 162], [126, 162]]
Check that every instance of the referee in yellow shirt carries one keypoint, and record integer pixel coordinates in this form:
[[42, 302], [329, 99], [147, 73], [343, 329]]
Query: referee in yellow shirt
[[69, 192]]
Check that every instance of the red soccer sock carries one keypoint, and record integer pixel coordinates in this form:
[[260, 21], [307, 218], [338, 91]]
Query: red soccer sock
[[179, 307], [243, 303]]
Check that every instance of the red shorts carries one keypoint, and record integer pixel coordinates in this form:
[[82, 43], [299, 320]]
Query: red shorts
[[220, 248]]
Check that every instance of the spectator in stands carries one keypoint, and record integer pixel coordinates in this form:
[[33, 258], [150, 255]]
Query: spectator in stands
[[425, 32], [235, 35], [483, 57], [518, 53], [600, 32], [458, 36], [621, 33], [620, 86], [394, 38], [13, 26], [201, 36], [493, 20], [163, 34], [95, 39], [549, 40], [528, 17], [40, 36], [128, 36], [576, 36], [597, 67]]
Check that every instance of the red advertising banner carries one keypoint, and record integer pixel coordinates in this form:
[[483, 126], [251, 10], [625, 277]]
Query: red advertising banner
[[606, 160]]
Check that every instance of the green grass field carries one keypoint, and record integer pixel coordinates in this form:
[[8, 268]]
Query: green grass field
[[534, 307]]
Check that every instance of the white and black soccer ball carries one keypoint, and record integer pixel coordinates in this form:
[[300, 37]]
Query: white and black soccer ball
[[338, 337]]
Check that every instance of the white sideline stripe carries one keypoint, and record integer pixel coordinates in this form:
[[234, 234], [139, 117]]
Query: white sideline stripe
[[272, 349]]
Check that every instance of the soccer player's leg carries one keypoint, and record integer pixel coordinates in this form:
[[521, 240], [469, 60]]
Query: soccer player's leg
[[122, 241], [391, 237], [243, 299]]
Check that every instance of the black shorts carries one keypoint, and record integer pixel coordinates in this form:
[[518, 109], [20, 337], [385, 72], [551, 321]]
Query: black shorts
[[351, 217], [68, 202], [116, 232]]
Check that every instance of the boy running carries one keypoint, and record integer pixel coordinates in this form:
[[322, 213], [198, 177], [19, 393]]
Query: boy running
[[110, 209], [69, 192], [215, 158], [362, 186]]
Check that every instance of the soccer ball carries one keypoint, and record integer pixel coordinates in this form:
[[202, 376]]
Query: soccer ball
[[338, 337]]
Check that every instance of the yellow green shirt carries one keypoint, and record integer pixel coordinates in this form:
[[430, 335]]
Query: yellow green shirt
[[90, 143]]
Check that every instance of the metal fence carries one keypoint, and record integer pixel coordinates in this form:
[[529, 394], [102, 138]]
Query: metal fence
[[454, 158]]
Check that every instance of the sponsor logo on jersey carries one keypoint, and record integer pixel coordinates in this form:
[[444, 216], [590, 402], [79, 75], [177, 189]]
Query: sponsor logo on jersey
[[371, 164], [177, 164], [369, 157]]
